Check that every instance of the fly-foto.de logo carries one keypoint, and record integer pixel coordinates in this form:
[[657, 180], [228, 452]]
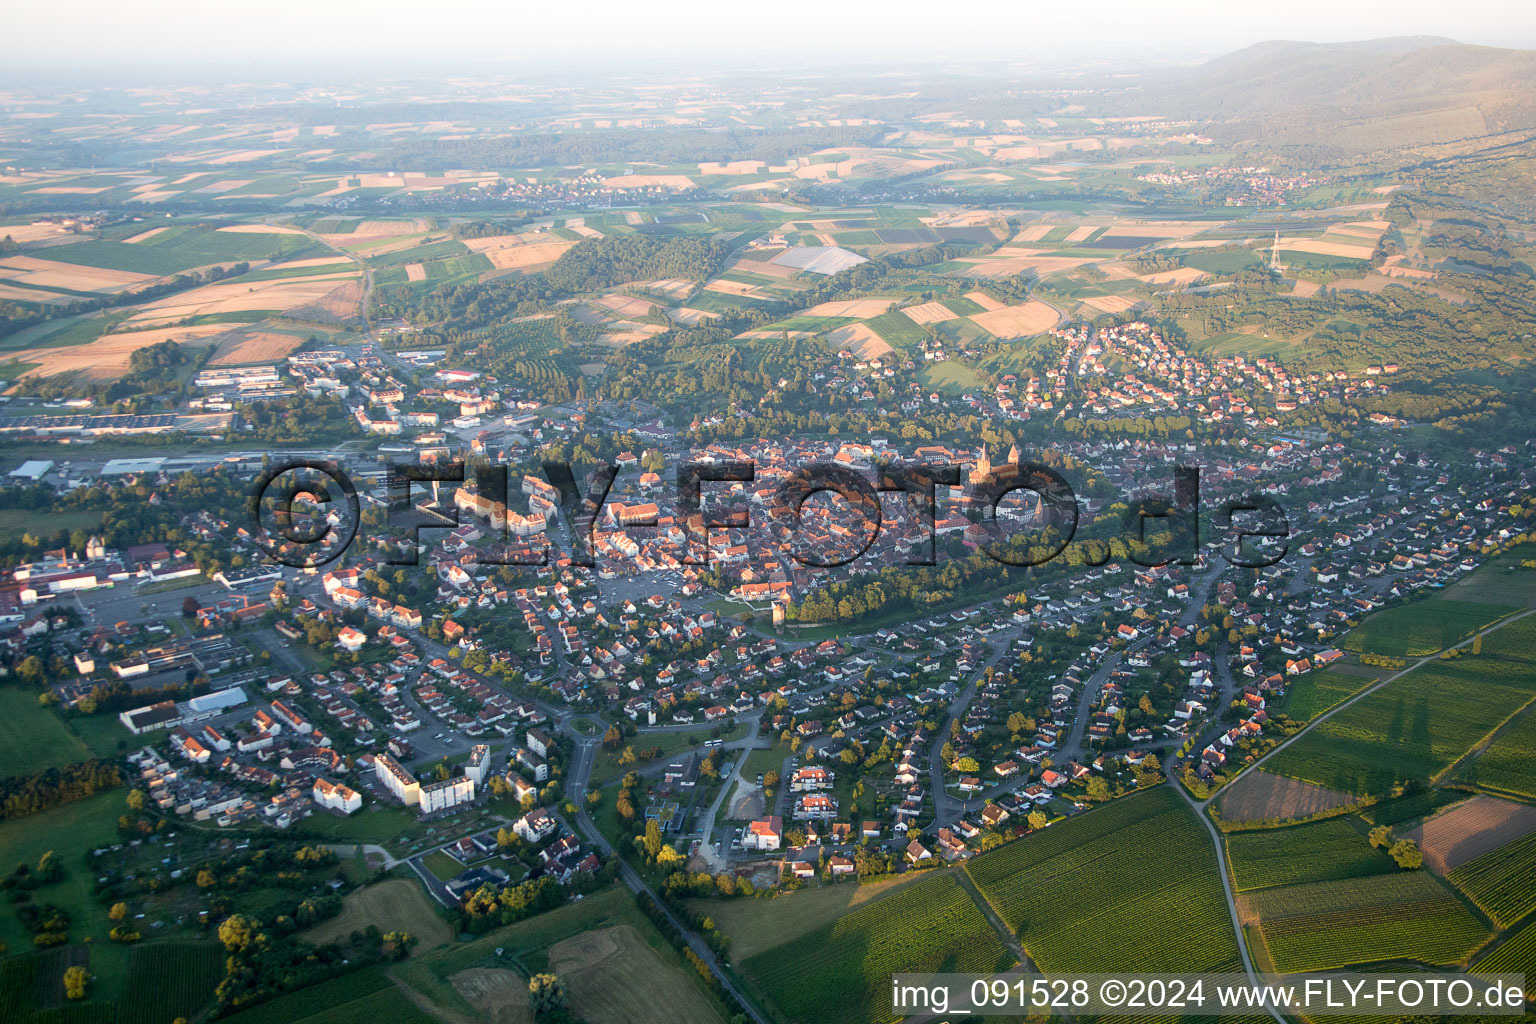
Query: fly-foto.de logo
[[306, 513]]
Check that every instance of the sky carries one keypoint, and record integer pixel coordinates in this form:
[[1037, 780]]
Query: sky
[[398, 37]]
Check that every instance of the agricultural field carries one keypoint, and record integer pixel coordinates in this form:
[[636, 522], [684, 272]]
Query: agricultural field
[[1136, 862], [1321, 689], [1424, 627], [1516, 954], [169, 980], [186, 246], [33, 737], [950, 376], [613, 977], [842, 970], [1410, 730], [1508, 765], [1317, 852], [391, 904], [1470, 829], [358, 997], [1262, 796], [472, 981], [758, 925], [1411, 806], [1502, 882], [897, 330], [1407, 915]]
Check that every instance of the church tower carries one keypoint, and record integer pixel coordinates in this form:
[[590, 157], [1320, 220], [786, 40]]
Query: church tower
[[983, 466]]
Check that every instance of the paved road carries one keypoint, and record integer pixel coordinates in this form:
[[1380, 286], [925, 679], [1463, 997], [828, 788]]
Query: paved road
[[707, 829], [581, 770]]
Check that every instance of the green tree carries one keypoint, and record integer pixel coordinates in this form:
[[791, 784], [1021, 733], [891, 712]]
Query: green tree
[[1407, 854], [75, 979], [546, 996], [236, 932]]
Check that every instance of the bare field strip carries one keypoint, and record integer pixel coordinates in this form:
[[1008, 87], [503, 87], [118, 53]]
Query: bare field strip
[[767, 269], [70, 276], [415, 272], [1012, 266], [32, 295], [516, 255], [254, 347], [1033, 233], [672, 287], [1182, 276], [234, 297], [142, 235], [861, 308], [626, 305], [985, 301], [260, 229], [930, 313], [1470, 829], [1110, 303], [723, 286], [1033, 317], [106, 358], [1162, 228], [23, 233], [860, 340], [339, 303], [1260, 796], [1322, 247]]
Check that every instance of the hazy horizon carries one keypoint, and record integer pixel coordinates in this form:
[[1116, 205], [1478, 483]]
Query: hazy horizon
[[392, 39]]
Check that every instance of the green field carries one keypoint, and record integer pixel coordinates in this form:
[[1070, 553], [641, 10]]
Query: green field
[[443, 867], [757, 925], [662, 979], [897, 329], [1502, 882], [16, 521], [842, 971], [184, 247], [1517, 955], [388, 905], [1410, 729], [358, 997], [72, 830], [167, 980], [1415, 805], [1221, 263], [1317, 852], [1142, 863], [951, 376], [964, 306], [420, 254], [61, 333], [1424, 627], [33, 737], [1516, 640], [1407, 915], [1317, 691], [1509, 763]]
